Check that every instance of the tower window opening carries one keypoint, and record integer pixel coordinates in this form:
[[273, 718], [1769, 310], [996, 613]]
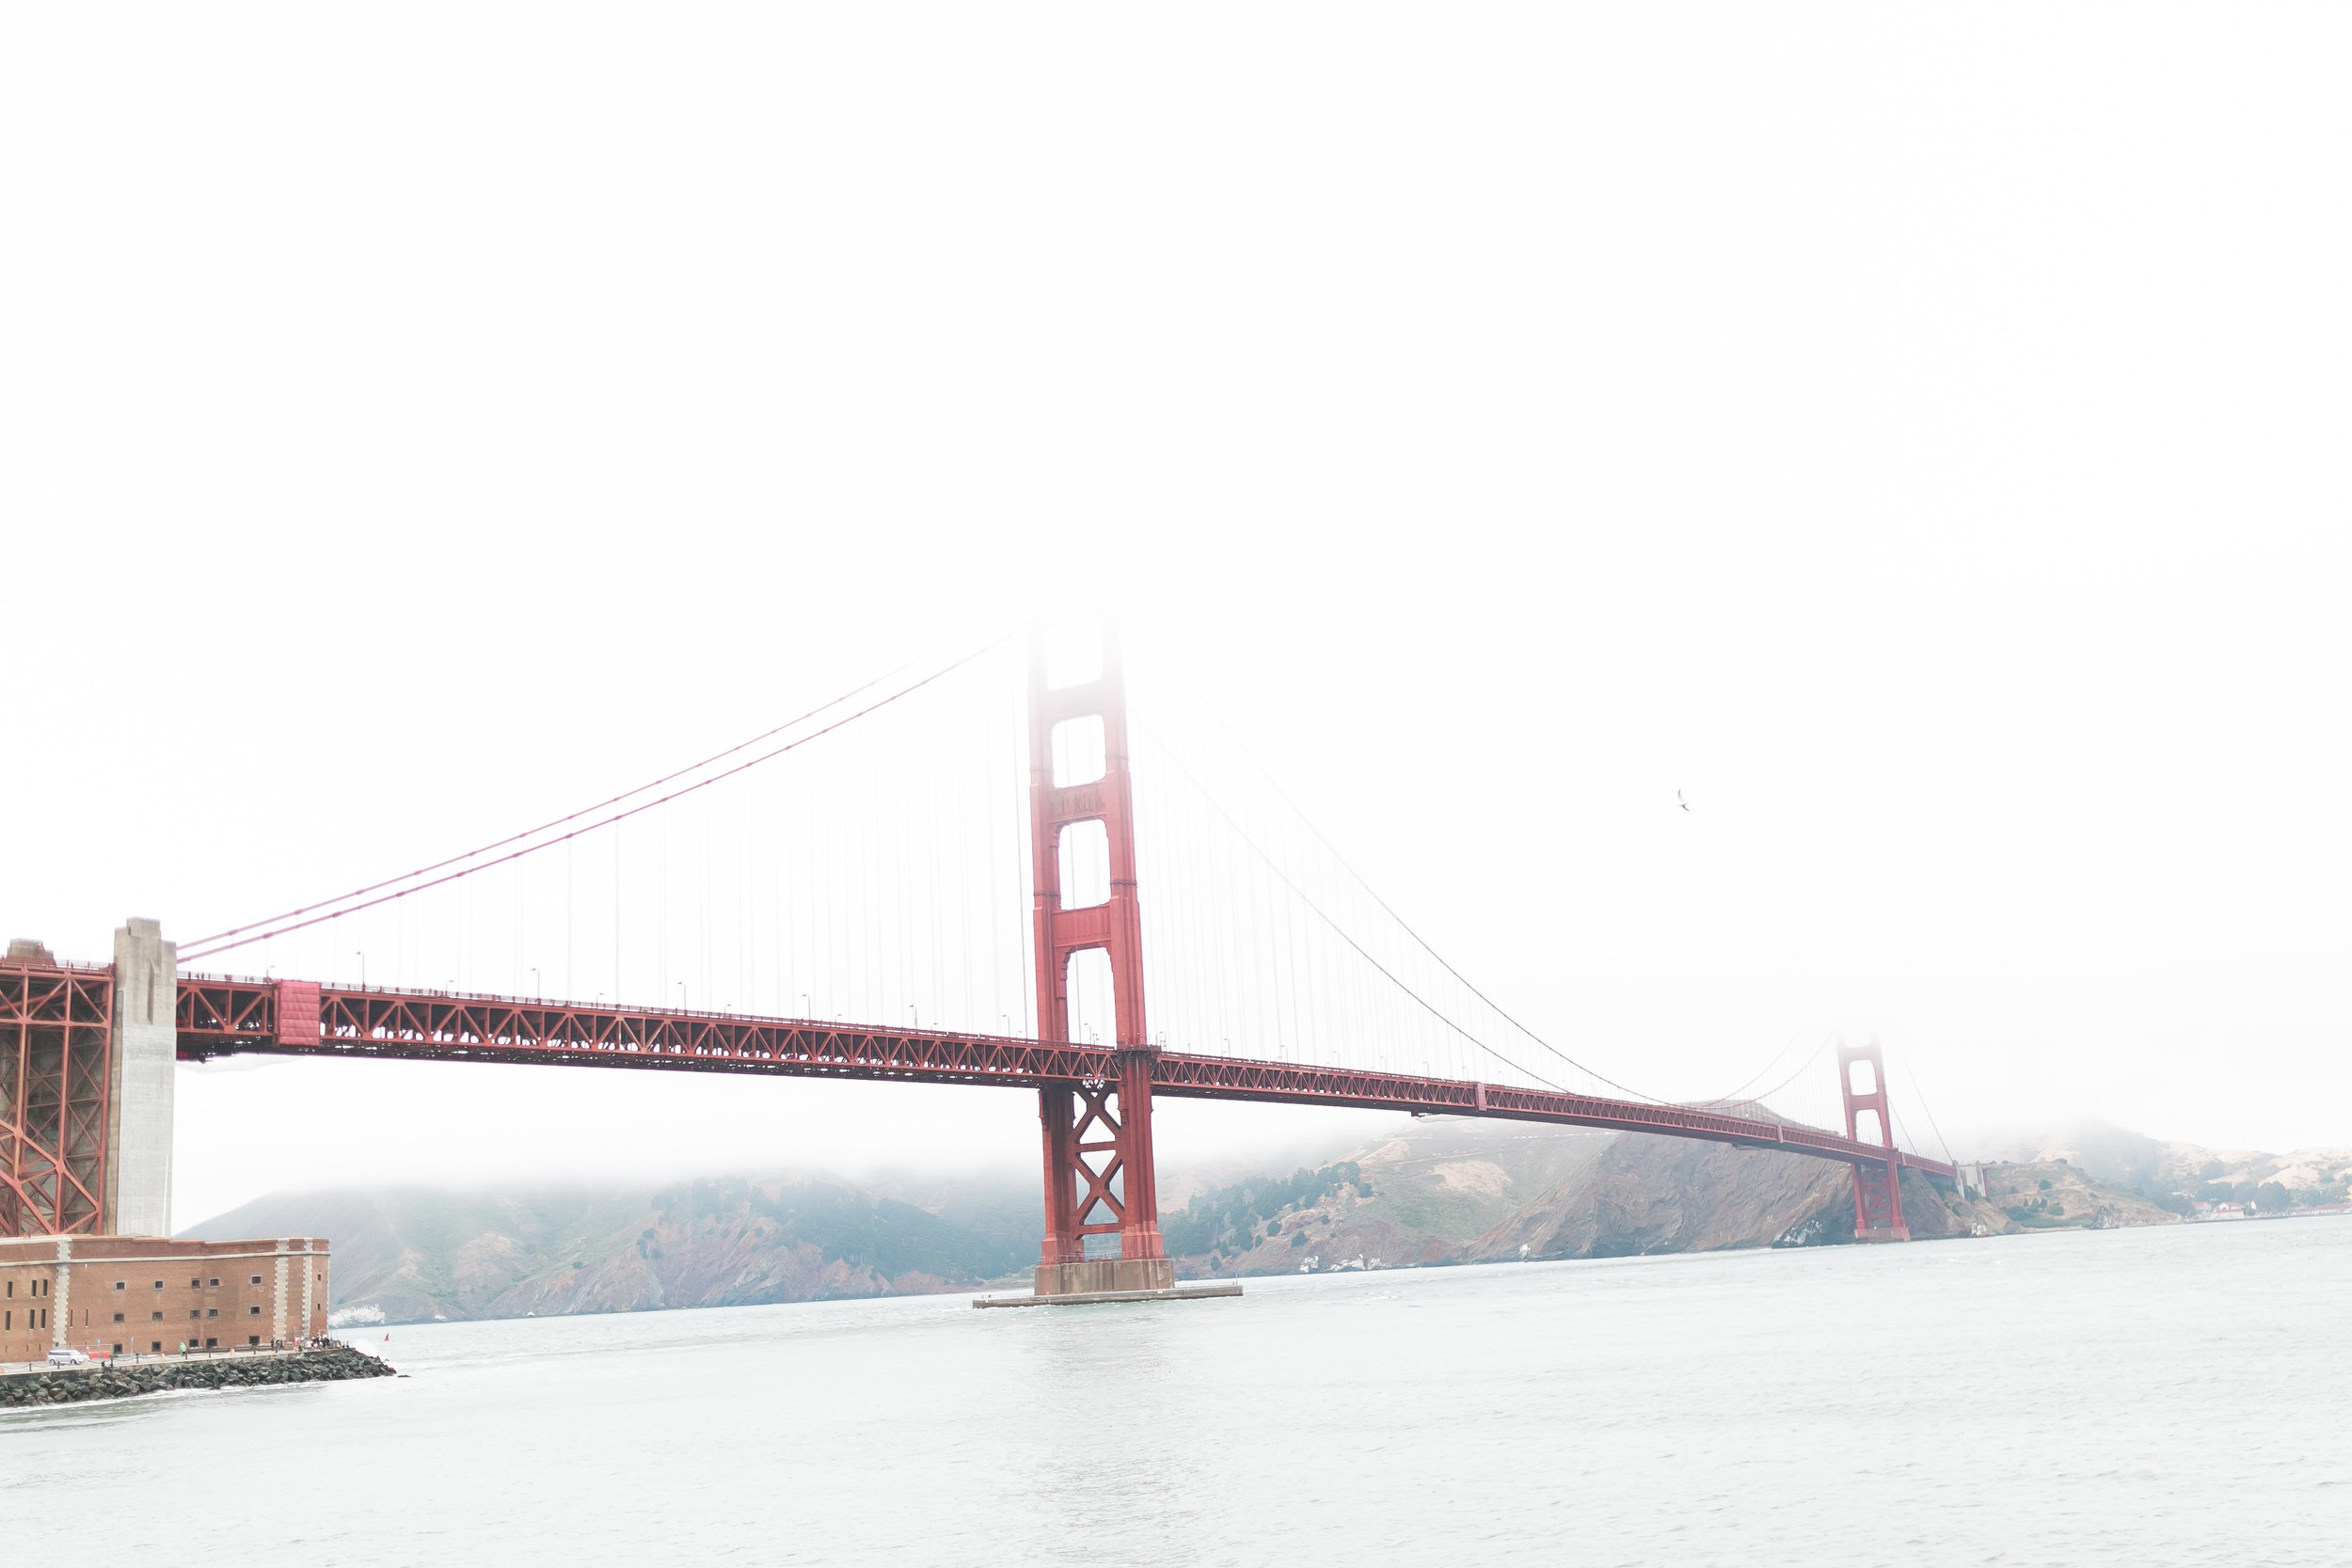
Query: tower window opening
[[1086, 864]]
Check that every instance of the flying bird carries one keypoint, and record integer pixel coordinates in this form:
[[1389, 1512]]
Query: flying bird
[[1680, 802]]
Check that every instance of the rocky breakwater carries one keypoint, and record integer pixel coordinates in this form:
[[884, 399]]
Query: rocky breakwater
[[103, 1382]]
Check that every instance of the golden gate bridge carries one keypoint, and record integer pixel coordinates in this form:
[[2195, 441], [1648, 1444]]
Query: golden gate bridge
[[984, 862]]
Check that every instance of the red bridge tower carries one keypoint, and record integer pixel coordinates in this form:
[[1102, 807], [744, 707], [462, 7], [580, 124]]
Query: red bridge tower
[[1099, 1178], [1877, 1193]]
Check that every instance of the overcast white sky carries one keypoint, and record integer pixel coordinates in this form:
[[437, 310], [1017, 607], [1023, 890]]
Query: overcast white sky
[[1918, 435]]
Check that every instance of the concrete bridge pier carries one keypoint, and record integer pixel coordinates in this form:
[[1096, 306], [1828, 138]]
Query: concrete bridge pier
[[140, 1082]]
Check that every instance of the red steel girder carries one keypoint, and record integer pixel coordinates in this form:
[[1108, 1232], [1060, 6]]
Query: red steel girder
[[56, 1061], [221, 1016]]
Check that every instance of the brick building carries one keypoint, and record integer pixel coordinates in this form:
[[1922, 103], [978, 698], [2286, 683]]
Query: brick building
[[113, 1294]]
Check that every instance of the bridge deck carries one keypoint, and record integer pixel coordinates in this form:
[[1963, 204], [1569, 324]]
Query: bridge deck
[[221, 1016]]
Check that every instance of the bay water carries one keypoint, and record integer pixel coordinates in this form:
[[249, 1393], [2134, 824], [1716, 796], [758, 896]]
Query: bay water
[[2175, 1395]]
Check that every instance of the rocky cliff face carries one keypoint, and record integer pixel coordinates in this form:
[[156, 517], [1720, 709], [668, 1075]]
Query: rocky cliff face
[[1448, 1190], [1665, 1195], [1647, 1195]]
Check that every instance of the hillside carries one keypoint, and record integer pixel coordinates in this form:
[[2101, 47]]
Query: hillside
[[2179, 1176], [2046, 1194], [1434, 1191], [1421, 1196], [416, 1253], [1668, 1195], [1445, 1190]]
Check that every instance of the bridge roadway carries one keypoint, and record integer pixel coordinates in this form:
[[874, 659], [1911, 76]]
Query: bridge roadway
[[219, 1015]]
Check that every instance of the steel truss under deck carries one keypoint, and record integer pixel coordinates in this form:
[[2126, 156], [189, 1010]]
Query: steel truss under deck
[[222, 1016]]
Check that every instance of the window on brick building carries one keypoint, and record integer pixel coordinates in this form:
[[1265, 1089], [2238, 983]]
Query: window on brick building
[[118, 1317], [156, 1316], [212, 1313], [196, 1285], [210, 1343], [252, 1338], [155, 1345], [257, 1279], [12, 1286], [255, 1310], [159, 1285], [118, 1284], [194, 1313], [215, 1283]]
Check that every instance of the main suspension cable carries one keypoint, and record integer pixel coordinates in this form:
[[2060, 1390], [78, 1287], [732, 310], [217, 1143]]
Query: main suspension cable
[[1929, 1110], [1341, 931], [206, 947], [544, 826], [1755, 1077], [1467, 984], [1802, 1068]]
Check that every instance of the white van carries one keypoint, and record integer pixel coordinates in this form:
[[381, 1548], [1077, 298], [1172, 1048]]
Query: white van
[[63, 1358]]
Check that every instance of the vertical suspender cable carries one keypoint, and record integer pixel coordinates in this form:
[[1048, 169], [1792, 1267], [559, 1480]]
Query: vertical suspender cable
[[963, 882], [779, 833]]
